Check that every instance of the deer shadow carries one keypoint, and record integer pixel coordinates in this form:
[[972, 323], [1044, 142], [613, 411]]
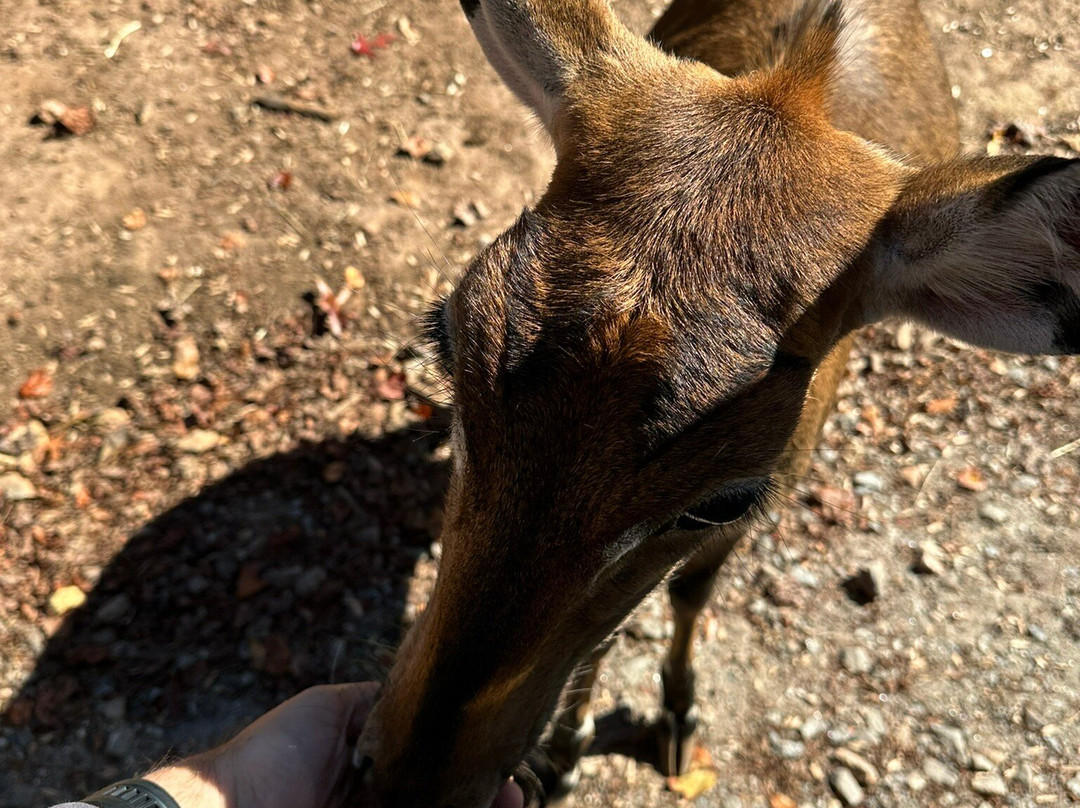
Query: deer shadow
[[292, 571]]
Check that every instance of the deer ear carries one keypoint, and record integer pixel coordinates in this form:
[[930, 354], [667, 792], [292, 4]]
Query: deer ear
[[540, 46], [987, 251]]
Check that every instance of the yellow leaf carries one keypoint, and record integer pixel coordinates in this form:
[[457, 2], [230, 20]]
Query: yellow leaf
[[66, 598], [692, 784]]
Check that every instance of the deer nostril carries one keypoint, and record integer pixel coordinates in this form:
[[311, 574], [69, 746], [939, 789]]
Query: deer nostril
[[363, 764]]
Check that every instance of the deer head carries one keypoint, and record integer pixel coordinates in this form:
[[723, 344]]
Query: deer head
[[630, 358]]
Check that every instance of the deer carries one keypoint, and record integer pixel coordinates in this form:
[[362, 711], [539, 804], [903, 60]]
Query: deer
[[641, 357]]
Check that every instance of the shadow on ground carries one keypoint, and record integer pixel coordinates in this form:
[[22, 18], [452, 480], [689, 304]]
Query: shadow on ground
[[290, 572]]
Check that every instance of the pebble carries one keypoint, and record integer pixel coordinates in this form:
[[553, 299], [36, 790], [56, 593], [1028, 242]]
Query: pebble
[[812, 728], [1074, 786], [989, 784], [856, 660], [845, 785], [114, 609], [868, 481], [785, 747], [198, 441], [16, 488], [310, 582], [121, 743], [938, 772], [185, 364], [865, 771], [930, 559], [954, 741], [981, 763], [992, 512], [25, 438], [916, 782]]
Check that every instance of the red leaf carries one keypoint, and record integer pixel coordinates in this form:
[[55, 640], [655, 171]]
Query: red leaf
[[362, 46], [37, 385], [280, 181]]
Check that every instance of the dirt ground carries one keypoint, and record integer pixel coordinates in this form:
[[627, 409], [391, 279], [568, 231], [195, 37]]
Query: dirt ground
[[210, 500]]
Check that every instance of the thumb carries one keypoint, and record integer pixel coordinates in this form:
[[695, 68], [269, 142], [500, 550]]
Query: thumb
[[354, 705]]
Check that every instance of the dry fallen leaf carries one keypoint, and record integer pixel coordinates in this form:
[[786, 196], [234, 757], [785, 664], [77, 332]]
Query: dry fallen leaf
[[407, 199], [354, 278], [280, 181], [693, 784], [332, 305], [135, 219], [37, 385], [941, 406], [781, 801], [972, 479], [249, 582], [65, 599]]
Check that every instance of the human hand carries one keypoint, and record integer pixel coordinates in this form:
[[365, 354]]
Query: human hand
[[296, 756]]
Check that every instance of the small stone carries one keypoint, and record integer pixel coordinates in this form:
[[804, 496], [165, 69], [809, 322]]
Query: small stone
[[916, 782], [114, 609], [24, 439], [845, 785], [786, 748], [120, 743], [1074, 786], [856, 660], [114, 709], [954, 741], [865, 771], [16, 488], [186, 359], [112, 419], [310, 582], [199, 441], [904, 338], [812, 728], [868, 481], [981, 763], [439, 155], [66, 599], [930, 559], [464, 216], [782, 590], [940, 773], [989, 784], [994, 513], [145, 114], [1033, 720]]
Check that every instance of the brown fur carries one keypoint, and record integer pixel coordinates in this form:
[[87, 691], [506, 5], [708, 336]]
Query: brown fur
[[671, 318]]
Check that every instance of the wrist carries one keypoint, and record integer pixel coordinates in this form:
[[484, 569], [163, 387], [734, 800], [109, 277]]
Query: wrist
[[195, 783]]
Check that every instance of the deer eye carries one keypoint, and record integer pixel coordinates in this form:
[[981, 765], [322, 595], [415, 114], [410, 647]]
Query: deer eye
[[723, 507]]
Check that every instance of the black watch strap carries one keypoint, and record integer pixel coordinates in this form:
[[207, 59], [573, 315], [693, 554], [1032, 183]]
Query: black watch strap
[[132, 794]]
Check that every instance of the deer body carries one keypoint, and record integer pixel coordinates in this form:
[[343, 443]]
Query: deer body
[[638, 359]]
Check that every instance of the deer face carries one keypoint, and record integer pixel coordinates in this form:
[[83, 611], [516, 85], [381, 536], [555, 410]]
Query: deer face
[[631, 357]]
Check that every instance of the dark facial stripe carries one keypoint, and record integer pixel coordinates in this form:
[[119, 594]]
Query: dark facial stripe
[[1064, 304], [470, 7]]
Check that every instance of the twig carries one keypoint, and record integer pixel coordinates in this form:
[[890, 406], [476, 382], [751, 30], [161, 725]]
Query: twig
[[1064, 450], [290, 219], [124, 32], [279, 104]]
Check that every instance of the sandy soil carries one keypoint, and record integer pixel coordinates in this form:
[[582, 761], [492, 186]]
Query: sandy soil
[[259, 517]]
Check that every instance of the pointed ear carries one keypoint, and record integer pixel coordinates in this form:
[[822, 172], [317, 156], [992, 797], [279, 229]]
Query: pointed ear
[[987, 251], [540, 47]]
